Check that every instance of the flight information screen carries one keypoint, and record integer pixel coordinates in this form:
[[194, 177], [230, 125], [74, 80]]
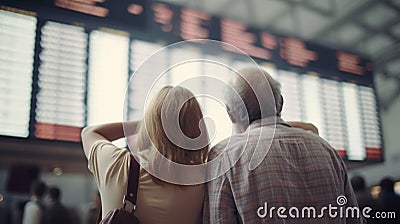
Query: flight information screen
[[60, 102], [107, 76], [345, 113], [67, 64], [17, 44]]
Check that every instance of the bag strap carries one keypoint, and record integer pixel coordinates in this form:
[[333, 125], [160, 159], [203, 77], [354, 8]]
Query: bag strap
[[129, 201]]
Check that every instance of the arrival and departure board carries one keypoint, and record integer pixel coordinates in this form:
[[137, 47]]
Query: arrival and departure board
[[216, 78], [60, 104], [17, 45], [107, 77], [67, 64], [284, 52], [291, 92], [312, 102], [335, 123], [138, 93]]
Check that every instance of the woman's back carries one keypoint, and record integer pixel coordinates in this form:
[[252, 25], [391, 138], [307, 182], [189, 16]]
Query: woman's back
[[168, 203], [156, 202]]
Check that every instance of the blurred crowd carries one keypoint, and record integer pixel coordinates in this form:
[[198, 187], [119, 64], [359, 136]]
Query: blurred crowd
[[384, 201], [45, 207]]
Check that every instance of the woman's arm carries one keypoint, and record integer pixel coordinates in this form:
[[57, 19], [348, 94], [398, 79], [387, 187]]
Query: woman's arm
[[305, 126], [110, 132]]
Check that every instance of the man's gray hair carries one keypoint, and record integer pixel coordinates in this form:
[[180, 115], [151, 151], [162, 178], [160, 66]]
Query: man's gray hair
[[253, 94]]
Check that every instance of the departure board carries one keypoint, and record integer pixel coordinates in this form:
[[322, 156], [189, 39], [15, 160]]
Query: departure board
[[60, 104], [193, 24], [185, 71], [108, 77], [138, 91], [17, 45], [335, 124], [217, 76], [312, 101], [291, 92], [283, 51], [370, 121], [239, 35], [63, 67], [355, 135], [345, 113]]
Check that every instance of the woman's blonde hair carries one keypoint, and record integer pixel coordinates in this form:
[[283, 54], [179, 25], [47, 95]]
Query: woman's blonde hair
[[169, 103]]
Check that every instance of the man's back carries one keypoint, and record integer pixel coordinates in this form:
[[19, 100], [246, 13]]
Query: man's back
[[56, 213], [300, 173]]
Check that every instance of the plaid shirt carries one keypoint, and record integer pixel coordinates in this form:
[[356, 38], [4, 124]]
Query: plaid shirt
[[300, 170]]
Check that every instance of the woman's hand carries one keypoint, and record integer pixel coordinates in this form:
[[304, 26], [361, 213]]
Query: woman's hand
[[304, 125], [110, 132]]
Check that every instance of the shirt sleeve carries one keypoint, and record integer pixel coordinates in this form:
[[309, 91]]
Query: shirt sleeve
[[219, 204], [32, 214], [107, 161]]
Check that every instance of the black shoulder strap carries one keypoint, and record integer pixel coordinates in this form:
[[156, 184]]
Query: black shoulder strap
[[129, 201], [132, 187]]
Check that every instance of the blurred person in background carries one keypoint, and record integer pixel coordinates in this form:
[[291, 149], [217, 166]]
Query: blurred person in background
[[94, 209], [364, 197], [34, 209], [55, 211], [387, 197], [388, 200]]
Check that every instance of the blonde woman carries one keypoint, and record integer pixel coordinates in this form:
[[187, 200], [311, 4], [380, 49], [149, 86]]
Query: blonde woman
[[157, 200]]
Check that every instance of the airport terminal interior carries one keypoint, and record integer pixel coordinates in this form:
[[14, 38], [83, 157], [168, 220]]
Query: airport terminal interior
[[67, 64]]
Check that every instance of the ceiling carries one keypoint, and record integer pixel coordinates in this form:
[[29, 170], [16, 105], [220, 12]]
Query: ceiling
[[367, 27]]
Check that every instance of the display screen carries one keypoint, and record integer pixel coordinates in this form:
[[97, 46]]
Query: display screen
[[75, 64], [17, 45], [108, 77], [60, 102], [284, 52], [335, 120], [138, 93]]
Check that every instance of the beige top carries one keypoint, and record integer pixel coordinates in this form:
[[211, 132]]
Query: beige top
[[156, 203]]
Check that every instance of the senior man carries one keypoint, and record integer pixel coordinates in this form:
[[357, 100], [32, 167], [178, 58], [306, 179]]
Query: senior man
[[282, 174]]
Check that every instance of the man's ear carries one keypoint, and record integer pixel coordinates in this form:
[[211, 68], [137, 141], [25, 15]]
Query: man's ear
[[237, 126], [281, 105], [234, 121]]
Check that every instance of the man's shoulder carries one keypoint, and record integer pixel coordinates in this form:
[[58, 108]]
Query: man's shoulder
[[57, 208], [300, 134], [234, 141]]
